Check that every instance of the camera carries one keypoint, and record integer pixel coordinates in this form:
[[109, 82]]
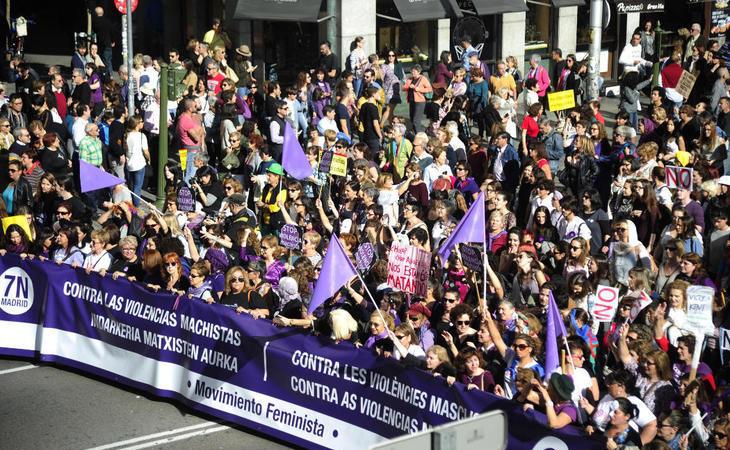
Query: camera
[[193, 180]]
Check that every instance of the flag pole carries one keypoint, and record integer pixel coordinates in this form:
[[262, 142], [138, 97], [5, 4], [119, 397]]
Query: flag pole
[[567, 349], [143, 200]]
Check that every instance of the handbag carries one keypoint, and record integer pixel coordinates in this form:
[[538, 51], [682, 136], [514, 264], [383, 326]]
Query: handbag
[[231, 160]]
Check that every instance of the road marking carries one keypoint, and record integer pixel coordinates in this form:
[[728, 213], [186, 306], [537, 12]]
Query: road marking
[[119, 444], [179, 437], [17, 369]]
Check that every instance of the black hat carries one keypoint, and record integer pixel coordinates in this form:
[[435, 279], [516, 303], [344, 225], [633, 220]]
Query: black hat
[[236, 199], [562, 385]]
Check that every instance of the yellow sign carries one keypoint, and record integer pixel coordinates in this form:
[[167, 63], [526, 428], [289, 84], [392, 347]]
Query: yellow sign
[[559, 101], [183, 158], [339, 165], [20, 221]]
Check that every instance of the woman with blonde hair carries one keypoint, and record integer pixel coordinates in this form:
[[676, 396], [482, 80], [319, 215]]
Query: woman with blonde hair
[[238, 294], [343, 326], [581, 168], [578, 256], [647, 155]]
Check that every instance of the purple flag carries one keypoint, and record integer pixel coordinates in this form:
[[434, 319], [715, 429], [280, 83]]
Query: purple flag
[[336, 271], [93, 178], [472, 228], [293, 159], [555, 329]]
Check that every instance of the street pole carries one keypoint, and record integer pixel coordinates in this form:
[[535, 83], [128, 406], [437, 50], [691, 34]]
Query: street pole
[[332, 27], [595, 50], [130, 56], [162, 146]]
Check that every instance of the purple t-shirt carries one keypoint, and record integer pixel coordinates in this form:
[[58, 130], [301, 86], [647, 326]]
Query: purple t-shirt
[[96, 94], [568, 408]]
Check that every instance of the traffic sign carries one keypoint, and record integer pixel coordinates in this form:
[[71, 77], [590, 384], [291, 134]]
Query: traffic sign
[[122, 5]]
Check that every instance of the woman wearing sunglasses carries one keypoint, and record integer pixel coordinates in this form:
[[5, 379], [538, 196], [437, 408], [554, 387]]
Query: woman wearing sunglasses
[[173, 279], [238, 294]]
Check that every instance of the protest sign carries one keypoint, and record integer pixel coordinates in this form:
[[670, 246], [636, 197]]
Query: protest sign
[[291, 237], [325, 162], [685, 84], [365, 257], [641, 301], [679, 177], [408, 269], [339, 165], [185, 200], [20, 221], [699, 308], [183, 152], [606, 303], [561, 100], [724, 343], [471, 257], [306, 390]]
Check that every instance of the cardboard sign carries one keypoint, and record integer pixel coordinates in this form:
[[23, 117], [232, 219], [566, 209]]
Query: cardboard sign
[[183, 152], [561, 100], [20, 221], [641, 302], [290, 237], [679, 177], [604, 308], [325, 162], [365, 257], [686, 83], [699, 308], [185, 200], [472, 258], [408, 269], [339, 165]]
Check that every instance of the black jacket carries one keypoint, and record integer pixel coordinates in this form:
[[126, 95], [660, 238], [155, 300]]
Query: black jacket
[[23, 195]]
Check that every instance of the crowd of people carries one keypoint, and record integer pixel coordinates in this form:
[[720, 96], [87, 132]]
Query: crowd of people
[[569, 207]]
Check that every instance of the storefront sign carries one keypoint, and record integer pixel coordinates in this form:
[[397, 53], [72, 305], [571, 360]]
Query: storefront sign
[[685, 84], [561, 100], [719, 19], [295, 10], [408, 269], [639, 6], [679, 177]]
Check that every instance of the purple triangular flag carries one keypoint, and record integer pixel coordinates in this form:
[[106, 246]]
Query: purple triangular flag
[[337, 269], [471, 228], [555, 329], [293, 159], [93, 178]]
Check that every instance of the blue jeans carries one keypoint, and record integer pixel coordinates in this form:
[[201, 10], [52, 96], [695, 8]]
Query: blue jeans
[[190, 164], [554, 166], [135, 179], [356, 85]]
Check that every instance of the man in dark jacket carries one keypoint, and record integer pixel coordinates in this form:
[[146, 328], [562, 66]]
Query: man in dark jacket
[[22, 192], [102, 26]]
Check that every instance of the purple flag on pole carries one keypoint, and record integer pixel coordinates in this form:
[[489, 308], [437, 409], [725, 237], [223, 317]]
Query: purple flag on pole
[[472, 228], [293, 159], [93, 178], [336, 271], [555, 329]]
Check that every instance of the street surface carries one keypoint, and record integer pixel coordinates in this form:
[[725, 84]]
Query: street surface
[[45, 407]]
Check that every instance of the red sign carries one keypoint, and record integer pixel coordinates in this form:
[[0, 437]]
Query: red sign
[[122, 5]]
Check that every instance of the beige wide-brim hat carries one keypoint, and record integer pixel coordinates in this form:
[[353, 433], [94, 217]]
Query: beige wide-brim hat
[[243, 50]]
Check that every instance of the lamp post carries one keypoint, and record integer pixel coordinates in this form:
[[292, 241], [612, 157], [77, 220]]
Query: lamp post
[[162, 147]]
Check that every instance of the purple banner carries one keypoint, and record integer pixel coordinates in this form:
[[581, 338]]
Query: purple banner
[[283, 382]]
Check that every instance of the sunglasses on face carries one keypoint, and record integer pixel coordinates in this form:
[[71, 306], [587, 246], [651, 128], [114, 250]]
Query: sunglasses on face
[[462, 322], [519, 346], [450, 300], [171, 264], [413, 318], [237, 279], [400, 336], [719, 435]]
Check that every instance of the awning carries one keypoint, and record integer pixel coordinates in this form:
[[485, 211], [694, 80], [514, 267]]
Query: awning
[[639, 6], [416, 10], [288, 10], [487, 7], [562, 3]]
